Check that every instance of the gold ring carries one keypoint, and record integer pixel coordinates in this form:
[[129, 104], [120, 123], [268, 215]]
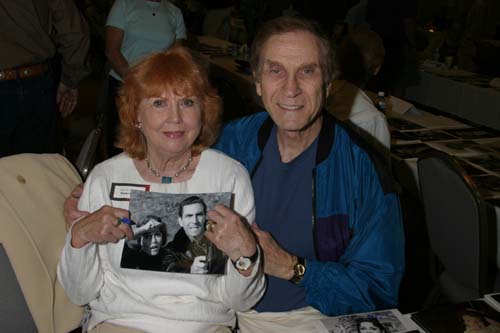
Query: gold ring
[[210, 225]]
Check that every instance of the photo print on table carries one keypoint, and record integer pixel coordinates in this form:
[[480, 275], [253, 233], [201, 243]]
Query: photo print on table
[[402, 124], [489, 162], [471, 133], [411, 150], [487, 185], [431, 135], [473, 316], [169, 233], [386, 321]]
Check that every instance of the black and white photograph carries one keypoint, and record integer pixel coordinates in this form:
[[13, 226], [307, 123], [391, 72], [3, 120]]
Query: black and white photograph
[[467, 317], [402, 124], [460, 147], [387, 321], [411, 150], [471, 133], [169, 233], [469, 168], [488, 185], [430, 135], [490, 162]]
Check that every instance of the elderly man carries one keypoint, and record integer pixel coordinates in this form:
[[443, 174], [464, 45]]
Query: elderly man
[[333, 240]]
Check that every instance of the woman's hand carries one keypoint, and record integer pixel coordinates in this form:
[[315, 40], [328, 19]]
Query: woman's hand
[[231, 234], [71, 212], [101, 227]]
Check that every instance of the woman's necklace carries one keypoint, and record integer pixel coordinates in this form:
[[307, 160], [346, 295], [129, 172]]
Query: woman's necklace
[[167, 179]]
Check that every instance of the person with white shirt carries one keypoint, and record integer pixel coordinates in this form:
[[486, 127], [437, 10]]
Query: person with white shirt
[[359, 58]]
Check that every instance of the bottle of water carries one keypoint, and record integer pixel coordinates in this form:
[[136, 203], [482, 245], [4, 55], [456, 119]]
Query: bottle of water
[[380, 102]]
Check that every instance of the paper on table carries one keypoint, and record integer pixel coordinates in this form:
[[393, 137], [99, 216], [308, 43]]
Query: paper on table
[[430, 121], [391, 319], [493, 300], [400, 106]]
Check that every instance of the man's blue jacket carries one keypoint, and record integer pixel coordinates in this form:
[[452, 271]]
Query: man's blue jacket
[[356, 223]]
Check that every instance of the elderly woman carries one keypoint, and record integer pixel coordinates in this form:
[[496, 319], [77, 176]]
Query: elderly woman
[[169, 115]]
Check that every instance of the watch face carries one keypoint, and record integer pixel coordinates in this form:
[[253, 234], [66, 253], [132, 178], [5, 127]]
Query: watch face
[[299, 269], [243, 263]]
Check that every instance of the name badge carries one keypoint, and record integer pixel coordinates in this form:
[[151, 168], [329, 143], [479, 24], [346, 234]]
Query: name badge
[[121, 191]]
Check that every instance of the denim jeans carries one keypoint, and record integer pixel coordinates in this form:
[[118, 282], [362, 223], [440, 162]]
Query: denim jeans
[[28, 115]]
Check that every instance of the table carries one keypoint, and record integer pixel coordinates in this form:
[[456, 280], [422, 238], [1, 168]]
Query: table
[[476, 149], [467, 96]]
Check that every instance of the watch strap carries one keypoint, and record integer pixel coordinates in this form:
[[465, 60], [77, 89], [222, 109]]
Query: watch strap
[[253, 258]]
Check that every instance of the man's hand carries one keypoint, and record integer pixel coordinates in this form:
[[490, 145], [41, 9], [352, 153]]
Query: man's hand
[[71, 212], [231, 234], [101, 227], [66, 99], [277, 261], [200, 265]]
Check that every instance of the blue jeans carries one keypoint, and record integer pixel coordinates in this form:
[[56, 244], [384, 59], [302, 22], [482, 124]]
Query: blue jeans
[[28, 115]]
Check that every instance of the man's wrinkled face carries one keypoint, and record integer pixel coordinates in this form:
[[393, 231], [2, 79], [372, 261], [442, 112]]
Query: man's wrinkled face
[[290, 80], [193, 220]]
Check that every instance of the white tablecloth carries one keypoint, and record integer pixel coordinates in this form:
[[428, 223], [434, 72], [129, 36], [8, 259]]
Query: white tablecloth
[[476, 104]]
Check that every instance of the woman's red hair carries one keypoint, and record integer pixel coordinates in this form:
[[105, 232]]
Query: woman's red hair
[[172, 71]]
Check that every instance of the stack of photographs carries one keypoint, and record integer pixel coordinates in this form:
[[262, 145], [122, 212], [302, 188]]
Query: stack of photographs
[[402, 137], [402, 124], [488, 162], [411, 150], [473, 316], [460, 147], [471, 133]]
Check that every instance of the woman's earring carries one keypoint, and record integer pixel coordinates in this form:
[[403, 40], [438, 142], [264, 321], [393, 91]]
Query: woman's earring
[[138, 125]]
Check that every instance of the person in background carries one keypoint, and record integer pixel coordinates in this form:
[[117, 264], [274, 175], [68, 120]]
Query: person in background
[[356, 16], [32, 32], [395, 22], [480, 23], [339, 33], [169, 116], [358, 59], [134, 29]]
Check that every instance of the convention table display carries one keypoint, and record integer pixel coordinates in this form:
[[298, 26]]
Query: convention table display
[[416, 132], [460, 93]]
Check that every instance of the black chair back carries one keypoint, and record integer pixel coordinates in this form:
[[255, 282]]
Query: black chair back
[[461, 228]]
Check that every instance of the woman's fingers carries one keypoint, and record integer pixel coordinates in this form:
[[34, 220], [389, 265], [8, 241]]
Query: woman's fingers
[[101, 227]]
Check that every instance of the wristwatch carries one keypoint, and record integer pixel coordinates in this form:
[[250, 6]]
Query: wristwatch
[[299, 269], [244, 263]]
